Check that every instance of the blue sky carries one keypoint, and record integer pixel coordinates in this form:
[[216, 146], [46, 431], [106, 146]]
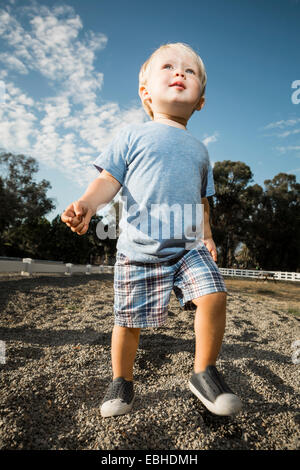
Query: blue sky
[[69, 70]]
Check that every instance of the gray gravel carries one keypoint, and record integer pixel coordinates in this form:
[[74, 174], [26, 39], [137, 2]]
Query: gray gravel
[[57, 334]]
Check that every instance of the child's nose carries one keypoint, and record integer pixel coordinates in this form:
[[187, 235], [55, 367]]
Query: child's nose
[[180, 74]]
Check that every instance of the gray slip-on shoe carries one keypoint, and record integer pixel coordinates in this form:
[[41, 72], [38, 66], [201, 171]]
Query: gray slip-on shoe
[[210, 387], [118, 399]]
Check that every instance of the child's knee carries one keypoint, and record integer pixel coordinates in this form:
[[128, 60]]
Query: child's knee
[[215, 298], [127, 330]]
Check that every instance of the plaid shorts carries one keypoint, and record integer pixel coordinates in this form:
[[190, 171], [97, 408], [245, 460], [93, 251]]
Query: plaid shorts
[[142, 290]]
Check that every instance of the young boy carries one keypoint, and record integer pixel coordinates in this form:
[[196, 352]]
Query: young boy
[[159, 165]]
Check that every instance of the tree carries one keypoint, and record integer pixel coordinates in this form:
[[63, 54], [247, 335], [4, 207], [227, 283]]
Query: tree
[[231, 207], [274, 232], [61, 244], [27, 240], [267, 222], [243, 257], [22, 200]]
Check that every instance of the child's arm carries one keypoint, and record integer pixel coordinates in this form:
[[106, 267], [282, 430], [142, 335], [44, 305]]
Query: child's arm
[[207, 236], [100, 192]]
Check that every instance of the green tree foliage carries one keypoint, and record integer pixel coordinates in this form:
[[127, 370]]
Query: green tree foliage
[[61, 244], [230, 207], [274, 231], [26, 239], [266, 221], [22, 199], [23, 202]]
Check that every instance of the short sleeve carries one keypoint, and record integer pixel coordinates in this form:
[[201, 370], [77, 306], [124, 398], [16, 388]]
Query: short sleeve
[[208, 186], [113, 157]]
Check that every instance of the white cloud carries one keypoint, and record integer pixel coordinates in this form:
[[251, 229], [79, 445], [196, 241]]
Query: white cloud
[[13, 63], [52, 48], [210, 139], [294, 170], [290, 129], [288, 148], [68, 128], [282, 124], [17, 120], [288, 133]]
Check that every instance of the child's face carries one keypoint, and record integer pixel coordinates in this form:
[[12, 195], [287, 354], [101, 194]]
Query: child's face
[[173, 87]]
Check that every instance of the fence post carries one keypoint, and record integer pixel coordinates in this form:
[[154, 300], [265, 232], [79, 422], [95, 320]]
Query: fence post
[[69, 269], [2, 352], [88, 269], [27, 267]]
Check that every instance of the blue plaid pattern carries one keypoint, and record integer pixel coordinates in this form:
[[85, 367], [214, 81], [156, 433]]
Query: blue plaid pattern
[[143, 290]]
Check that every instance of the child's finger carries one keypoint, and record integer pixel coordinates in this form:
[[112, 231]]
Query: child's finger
[[75, 221], [83, 230], [79, 209], [79, 226], [66, 217], [68, 212]]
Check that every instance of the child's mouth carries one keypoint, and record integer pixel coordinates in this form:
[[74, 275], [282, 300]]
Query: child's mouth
[[178, 84]]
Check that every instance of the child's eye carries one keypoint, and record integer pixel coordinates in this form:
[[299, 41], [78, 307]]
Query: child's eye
[[190, 71], [167, 66]]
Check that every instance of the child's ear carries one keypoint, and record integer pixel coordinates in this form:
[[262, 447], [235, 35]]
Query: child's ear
[[144, 95], [200, 104]]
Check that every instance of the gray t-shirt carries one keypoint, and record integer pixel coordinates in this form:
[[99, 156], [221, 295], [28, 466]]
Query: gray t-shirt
[[164, 172]]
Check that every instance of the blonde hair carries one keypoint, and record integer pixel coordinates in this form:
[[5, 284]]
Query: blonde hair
[[144, 71]]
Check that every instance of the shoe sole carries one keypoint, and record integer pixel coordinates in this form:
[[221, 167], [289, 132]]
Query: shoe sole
[[115, 408], [231, 403]]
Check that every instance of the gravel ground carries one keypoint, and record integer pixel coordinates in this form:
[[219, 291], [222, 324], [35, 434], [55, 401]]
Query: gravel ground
[[56, 331]]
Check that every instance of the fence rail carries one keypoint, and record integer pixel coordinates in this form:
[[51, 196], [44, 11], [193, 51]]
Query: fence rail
[[263, 275], [27, 266]]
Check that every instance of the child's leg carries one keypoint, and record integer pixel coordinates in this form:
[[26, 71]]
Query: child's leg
[[119, 396], [124, 345], [209, 327], [207, 383]]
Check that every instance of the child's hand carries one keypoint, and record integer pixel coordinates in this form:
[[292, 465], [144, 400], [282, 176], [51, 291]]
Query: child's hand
[[77, 216], [210, 245]]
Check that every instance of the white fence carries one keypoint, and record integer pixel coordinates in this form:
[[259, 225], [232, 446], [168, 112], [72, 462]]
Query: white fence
[[262, 275], [27, 266]]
